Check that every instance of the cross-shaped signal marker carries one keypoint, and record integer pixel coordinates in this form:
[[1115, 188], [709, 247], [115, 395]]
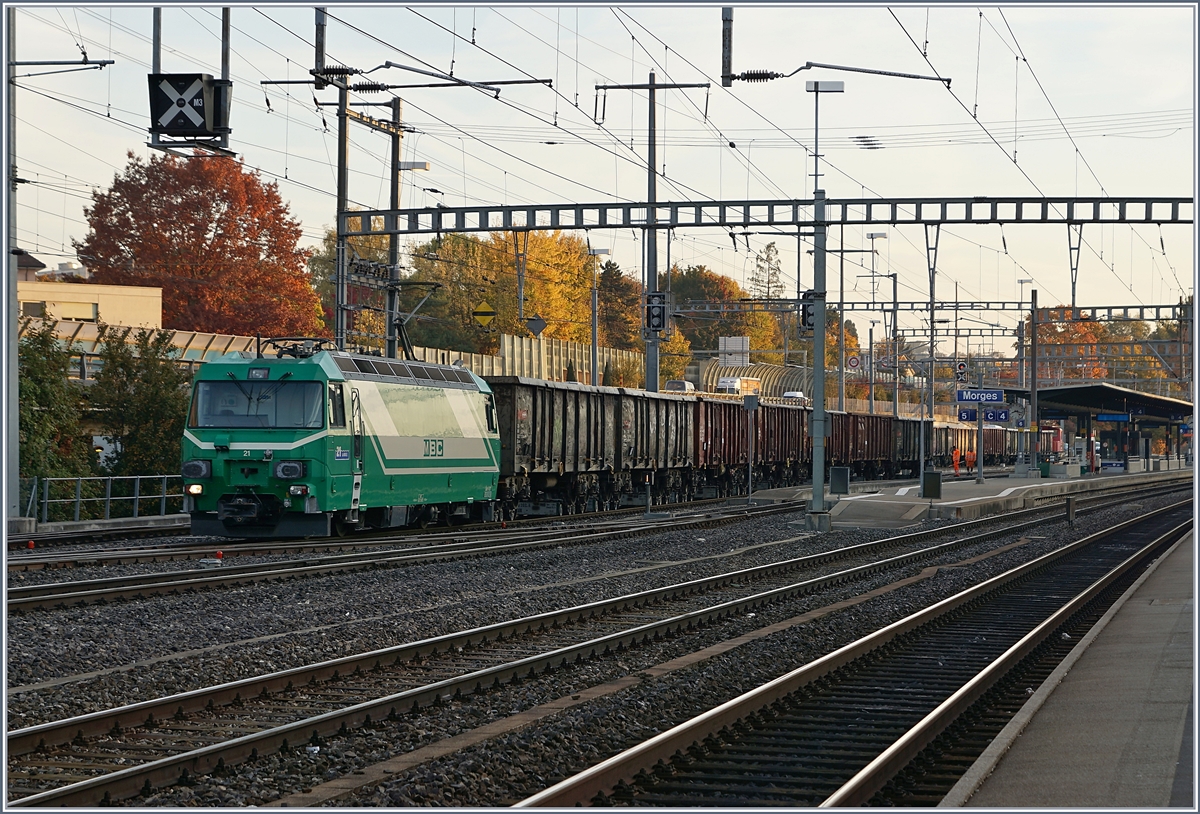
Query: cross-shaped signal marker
[[180, 103]]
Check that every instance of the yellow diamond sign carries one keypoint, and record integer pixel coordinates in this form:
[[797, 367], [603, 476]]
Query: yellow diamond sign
[[484, 314]]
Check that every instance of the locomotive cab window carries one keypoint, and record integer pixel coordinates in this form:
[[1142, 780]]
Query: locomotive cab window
[[337, 406], [489, 409], [273, 405]]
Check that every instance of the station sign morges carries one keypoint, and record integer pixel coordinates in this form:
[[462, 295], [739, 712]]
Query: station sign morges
[[1112, 417], [980, 396]]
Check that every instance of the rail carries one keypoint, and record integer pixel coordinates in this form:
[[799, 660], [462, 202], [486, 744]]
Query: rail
[[96, 498]]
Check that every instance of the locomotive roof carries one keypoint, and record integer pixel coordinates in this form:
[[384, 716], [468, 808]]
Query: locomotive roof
[[337, 365]]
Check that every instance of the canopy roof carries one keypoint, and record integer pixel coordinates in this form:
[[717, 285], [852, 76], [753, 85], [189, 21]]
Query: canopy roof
[[1077, 399]]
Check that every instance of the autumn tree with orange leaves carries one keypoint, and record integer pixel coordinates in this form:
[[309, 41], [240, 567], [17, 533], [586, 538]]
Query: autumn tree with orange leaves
[[219, 242]]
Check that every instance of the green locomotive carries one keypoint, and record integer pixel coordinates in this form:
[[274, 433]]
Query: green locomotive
[[313, 442]]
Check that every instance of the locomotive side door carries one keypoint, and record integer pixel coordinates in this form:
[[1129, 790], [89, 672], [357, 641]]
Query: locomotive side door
[[356, 428]]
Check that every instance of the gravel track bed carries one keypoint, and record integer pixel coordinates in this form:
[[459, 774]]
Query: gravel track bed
[[511, 767], [232, 633], [77, 573]]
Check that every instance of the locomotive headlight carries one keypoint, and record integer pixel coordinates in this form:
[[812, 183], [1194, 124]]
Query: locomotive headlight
[[298, 490], [290, 470], [197, 469], [195, 489]]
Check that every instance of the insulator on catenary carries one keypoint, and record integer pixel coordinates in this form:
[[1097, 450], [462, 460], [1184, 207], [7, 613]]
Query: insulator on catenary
[[339, 70], [758, 76], [369, 87]]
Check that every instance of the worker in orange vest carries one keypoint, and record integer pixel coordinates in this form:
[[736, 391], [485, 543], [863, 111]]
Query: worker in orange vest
[[970, 461], [957, 456]]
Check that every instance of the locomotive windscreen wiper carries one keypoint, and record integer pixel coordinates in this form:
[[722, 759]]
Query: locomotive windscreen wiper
[[242, 389], [266, 394]]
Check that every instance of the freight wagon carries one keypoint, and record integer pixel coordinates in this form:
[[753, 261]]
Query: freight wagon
[[314, 441]]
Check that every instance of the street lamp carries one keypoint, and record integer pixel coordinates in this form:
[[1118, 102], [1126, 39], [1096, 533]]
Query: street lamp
[[933, 323], [871, 367], [595, 315], [842, 252], [1021, 365], [1021, 288], [873, 236], [820, 517]]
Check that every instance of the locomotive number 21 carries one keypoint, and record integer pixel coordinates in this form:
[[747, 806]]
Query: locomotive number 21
[[434, 448]]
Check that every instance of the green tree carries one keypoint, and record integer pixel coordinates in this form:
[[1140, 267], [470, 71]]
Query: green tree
[[704, 330], [53, 444], [141, 399], [619, 301], [675, 353], [323, 263], [765, 281]]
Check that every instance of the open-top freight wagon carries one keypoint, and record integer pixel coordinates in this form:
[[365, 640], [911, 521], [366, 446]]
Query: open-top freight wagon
[[314, 441]]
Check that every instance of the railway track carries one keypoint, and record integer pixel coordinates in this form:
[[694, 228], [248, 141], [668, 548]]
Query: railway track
[[463, 545], [470, 544], [25, 560], [837, 731], [51, 540], [80, 760]]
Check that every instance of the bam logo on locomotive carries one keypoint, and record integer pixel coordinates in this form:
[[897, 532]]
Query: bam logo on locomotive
[[434, 448]]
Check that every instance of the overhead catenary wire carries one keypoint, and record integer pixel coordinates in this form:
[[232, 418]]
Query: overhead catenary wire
[[1018, 167]]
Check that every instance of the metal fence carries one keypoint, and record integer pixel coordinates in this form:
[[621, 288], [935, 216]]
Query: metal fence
[[85, 365], [67, 499]]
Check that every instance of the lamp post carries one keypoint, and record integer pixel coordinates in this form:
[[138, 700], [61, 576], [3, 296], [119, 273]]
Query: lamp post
[[871, 367], [843, 251], [594, 253], [819, 519], [895, 347], [873, 236], [1021, 288], [933, 323], [1021, 445]]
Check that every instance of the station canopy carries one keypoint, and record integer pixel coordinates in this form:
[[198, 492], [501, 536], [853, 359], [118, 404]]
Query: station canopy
[[1093, 399]]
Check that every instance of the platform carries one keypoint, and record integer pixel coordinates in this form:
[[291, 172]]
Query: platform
[[1113, 725], [890, 507]]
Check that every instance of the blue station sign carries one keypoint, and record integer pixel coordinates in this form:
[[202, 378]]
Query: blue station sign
[[1112, 417], [993, 414], [980, 396]]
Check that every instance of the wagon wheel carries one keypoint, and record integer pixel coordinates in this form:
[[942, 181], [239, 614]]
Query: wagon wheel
[[451, 520]]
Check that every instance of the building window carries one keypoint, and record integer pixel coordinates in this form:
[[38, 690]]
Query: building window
[[33, 309], [77, 311]]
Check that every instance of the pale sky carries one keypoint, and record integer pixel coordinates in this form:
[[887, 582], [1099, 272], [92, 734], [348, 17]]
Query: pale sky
[[1102, 103]]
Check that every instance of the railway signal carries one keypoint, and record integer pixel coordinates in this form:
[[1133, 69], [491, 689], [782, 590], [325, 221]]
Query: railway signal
[[656, 311], [960, 372], [808, 311]]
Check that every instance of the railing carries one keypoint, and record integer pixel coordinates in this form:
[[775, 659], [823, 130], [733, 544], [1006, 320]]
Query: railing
[[85, 365], [63, 499]]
